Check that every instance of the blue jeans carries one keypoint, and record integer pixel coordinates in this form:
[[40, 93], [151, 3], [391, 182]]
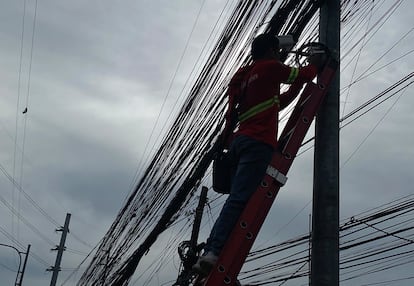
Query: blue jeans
[[249, 159]]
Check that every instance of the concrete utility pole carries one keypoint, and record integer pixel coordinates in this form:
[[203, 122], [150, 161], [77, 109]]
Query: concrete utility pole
[[60, 250], [325, 223]]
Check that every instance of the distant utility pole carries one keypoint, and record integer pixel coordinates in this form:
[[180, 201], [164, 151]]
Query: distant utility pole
[[20, 274], [325, 222], [60, 250]]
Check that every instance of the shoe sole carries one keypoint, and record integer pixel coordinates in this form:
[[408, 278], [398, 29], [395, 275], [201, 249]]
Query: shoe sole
[[204, 269]]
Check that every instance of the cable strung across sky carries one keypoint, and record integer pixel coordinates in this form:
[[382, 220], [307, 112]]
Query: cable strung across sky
[[168, 184], [186, 152], [371, 242]]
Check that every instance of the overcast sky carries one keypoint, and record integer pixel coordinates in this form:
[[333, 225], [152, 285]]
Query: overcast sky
[[94, 84]]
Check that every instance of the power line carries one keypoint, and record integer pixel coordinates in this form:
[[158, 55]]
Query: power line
[[369, 105], [373, 129], [387, 282], [17, 107], [16, 242], [182, 150], [28, 197], [168, 92], [377, 97], [372, 241], [357, 60], [27, 100]]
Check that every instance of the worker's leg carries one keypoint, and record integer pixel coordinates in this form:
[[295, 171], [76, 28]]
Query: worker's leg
[[252, 158]]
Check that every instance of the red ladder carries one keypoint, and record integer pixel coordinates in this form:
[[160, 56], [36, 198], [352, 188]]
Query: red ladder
[[238, 245]]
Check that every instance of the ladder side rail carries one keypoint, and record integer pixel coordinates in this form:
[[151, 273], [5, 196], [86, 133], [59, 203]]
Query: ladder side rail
[[324, 79], [251, 220], [245, 231], [317, 93]]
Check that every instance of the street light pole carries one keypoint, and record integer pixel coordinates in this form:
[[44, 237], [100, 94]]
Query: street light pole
[[20, 283], [20, 274]]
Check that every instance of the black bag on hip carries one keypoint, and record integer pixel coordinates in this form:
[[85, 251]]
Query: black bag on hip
[[221, 173]]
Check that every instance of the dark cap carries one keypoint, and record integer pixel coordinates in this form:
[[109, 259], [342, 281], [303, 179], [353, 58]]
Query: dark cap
[[262, 43]]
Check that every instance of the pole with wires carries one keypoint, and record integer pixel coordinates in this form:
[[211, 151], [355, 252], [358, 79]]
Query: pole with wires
[[190, 250], [21, 273], [325, 223], [60, 249]]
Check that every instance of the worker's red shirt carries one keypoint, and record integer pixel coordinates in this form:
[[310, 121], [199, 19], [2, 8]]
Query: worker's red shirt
[[262, 83]]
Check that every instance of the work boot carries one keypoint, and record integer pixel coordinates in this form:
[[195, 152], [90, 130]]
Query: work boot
[[205, 263]]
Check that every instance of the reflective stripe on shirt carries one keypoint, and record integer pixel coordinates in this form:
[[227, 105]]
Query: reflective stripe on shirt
[[293, 75], [259, 108]]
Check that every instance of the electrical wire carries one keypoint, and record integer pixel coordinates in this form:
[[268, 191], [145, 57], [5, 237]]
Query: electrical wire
[[179, 164], [376, 245], [17, 108], [374, 128], [168, 93], [357, 60], [27, 102]]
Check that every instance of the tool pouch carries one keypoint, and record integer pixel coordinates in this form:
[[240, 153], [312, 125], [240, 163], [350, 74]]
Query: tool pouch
[[221, 173]]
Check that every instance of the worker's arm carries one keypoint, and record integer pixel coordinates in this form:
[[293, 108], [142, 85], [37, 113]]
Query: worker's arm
[[297, 77], [307, 73], [301, 75], [287, 97]]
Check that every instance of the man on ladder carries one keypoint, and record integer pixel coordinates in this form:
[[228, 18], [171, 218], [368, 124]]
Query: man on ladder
[[254, 95]]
